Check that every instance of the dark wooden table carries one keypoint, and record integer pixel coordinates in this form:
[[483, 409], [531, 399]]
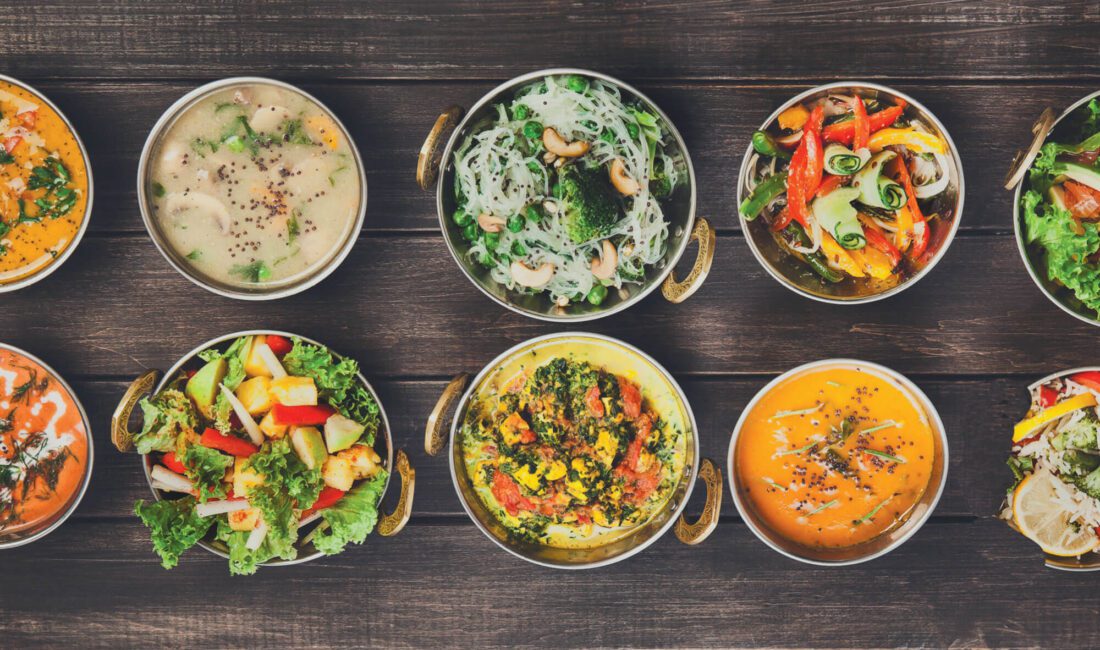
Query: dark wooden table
[[972, 334]]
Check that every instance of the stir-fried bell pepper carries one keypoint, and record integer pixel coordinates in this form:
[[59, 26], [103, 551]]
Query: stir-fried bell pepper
[[796, 185], [874, 262], [920, 232], [917, 141], [845, 132], [794, 117], [903, 238], [763, 194], [231, 445], [301, 415], [326, 499], [765, 145], [173, 463], [1024, 429], [1089, 379], [878, 239], [861, 129], [840, 257], [829, 184], [783, 219], [1048, 396], [816, 261], [815, 150]]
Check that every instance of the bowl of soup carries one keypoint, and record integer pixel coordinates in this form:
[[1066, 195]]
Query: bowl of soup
[[45, 449], [252, 188], [837, 462], [45, 186]]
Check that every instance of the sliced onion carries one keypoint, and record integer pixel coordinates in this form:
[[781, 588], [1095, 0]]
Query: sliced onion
[[256, 537], [249, 424], [173, 481], [270, 360], [790, 139], [932, 189], [225, 506]]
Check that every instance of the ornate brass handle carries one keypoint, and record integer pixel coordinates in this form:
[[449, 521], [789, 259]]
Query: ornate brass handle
[[1023, 159], [434, 436], [677, 292], [120, 420], [392, 523], [701, 529], [428, 162]]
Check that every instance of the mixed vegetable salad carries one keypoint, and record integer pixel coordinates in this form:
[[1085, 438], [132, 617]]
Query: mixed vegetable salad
[[266, 436], [852, 187], [1061, 208], [1055, 500]]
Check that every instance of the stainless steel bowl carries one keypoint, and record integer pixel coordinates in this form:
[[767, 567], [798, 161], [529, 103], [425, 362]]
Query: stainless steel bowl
[[87, 216], [885, 542], [178, 261], [148, 384], [791, 273], [435, 166], [636, 540], [45, 527], [1016, 177]]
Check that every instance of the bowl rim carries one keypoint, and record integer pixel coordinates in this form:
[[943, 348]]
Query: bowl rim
[[494, 95], [42, 273], [1018, 230], [688, 474], [82, 489], [167, 377], [917, 521], [924, 113], [169, 116]]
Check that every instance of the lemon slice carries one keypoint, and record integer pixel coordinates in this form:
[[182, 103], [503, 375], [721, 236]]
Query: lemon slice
[[1044, 521]]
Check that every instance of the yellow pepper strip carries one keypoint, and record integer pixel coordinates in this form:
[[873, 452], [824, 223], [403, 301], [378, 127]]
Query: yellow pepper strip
[[794, 117], [917, 141], [876, 263], [1047, 415], [903, 238], [839, 256]]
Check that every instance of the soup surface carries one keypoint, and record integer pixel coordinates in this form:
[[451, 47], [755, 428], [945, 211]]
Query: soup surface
[[43, 184], [254, 185], [835, 456], [43, 444]]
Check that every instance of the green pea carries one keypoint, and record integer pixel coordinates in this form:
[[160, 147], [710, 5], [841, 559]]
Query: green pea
[[505, 258], [521, 111], [515, 223], [576, 83], [518, 249], [461, 218], [470, 231], [492, 240], [532, 130], [632, 128], [485, 258], [533, 214], [597, 295], [534, 166], [235, 144]]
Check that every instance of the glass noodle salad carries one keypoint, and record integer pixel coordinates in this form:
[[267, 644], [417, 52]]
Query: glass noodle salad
[[559, 189], [852, 187]]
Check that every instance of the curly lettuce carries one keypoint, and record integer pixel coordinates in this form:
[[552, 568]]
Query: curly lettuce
[[337, 382], [174, 527], [206, 468], [166, 415], [352, 518], [1067, 245]]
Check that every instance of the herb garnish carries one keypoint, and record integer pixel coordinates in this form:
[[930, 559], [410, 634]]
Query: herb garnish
[[874, 511], [885, 425], [53, 177], [254, 272], [200, 145], [5, 157], [822, 507], [775, 485], [249, 139], [194, 255], [293, 133], [158, 189], [885, 456], [783, 414], [796, 451], [292, 227]]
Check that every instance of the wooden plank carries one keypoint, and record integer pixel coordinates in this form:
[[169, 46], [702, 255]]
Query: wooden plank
[[98, 584], [389, 121], [397, 39], [117, 307]]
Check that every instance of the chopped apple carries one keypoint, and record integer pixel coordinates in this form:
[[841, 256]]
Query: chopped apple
[[255, 394], [270, 428], [244, 520], [337, 473], [294, 391]]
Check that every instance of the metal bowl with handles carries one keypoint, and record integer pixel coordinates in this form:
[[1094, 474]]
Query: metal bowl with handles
[[152, 382], [789, 271], [1016, 178], [880, 545], [435, 166], [618, 357]]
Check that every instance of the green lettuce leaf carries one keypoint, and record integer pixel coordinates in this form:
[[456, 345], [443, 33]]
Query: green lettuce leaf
[[166, 415], [352, 518], [288, 484], [243, 562], [206, 468], [337, 382], [1066, 253], [174, 527]]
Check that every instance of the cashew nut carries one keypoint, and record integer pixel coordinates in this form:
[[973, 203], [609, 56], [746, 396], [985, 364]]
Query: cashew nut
[[604, 266], [534, 278], [622, 181], [489, 223], [556, 145]]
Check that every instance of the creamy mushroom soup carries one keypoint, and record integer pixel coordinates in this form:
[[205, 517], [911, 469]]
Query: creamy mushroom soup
[[253, 185]]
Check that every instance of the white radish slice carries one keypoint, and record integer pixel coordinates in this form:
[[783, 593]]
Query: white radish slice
[[310, 519], [173, 481], [225, 506], [309, 538], [249, 424], [164, 487], [270, 360], [256, 537]]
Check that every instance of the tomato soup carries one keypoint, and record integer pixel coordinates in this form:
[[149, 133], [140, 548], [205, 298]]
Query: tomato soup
[[835, 456], [43, 444], [43, 184]]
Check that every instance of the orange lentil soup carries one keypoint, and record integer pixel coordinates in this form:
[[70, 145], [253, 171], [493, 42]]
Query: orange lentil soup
[[43, 444], [43, 184], [835, 456]]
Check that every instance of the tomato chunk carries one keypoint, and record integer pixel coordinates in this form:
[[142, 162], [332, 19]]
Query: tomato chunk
[[280, 345], [632, 399], [301, 415], [508, 495], [593, 402]]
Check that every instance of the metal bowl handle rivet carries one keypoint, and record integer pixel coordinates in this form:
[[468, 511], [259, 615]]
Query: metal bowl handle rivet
[[1022, 161], [708, 521], [121, 435], [677, 292], [428, 162], [434, 437], [392, 523]]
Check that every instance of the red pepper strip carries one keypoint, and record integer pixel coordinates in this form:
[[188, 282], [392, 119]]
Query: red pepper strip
[[829, 184], [815, 156], [301, 415], [862, 129], [796, 186], [845, 132], [1047, 396], [170, 461], [1089, 379], [921, 231], [326, 499], [878, 240], [231, 445], [782, 220], [280, 345]]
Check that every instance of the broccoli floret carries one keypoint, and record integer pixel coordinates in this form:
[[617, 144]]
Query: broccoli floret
[[1082, 434], [588, 202], [1090, 484], [1079, 463]]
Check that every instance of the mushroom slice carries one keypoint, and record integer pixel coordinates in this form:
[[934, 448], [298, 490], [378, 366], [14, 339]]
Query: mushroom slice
[[489, 223], [268, 118], [604, 266], [622, 181], [533, 278], [555, 144], [197, 205]]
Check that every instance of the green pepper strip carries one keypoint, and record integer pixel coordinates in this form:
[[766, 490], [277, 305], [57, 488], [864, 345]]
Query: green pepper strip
[[765, 145], [764, 193], [816, 261]]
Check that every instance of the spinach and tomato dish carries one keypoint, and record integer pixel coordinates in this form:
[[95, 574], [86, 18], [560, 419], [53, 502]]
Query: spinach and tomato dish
[[260, 438], [570, 455], [561, 189], [1061, 209], [852, 187]]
